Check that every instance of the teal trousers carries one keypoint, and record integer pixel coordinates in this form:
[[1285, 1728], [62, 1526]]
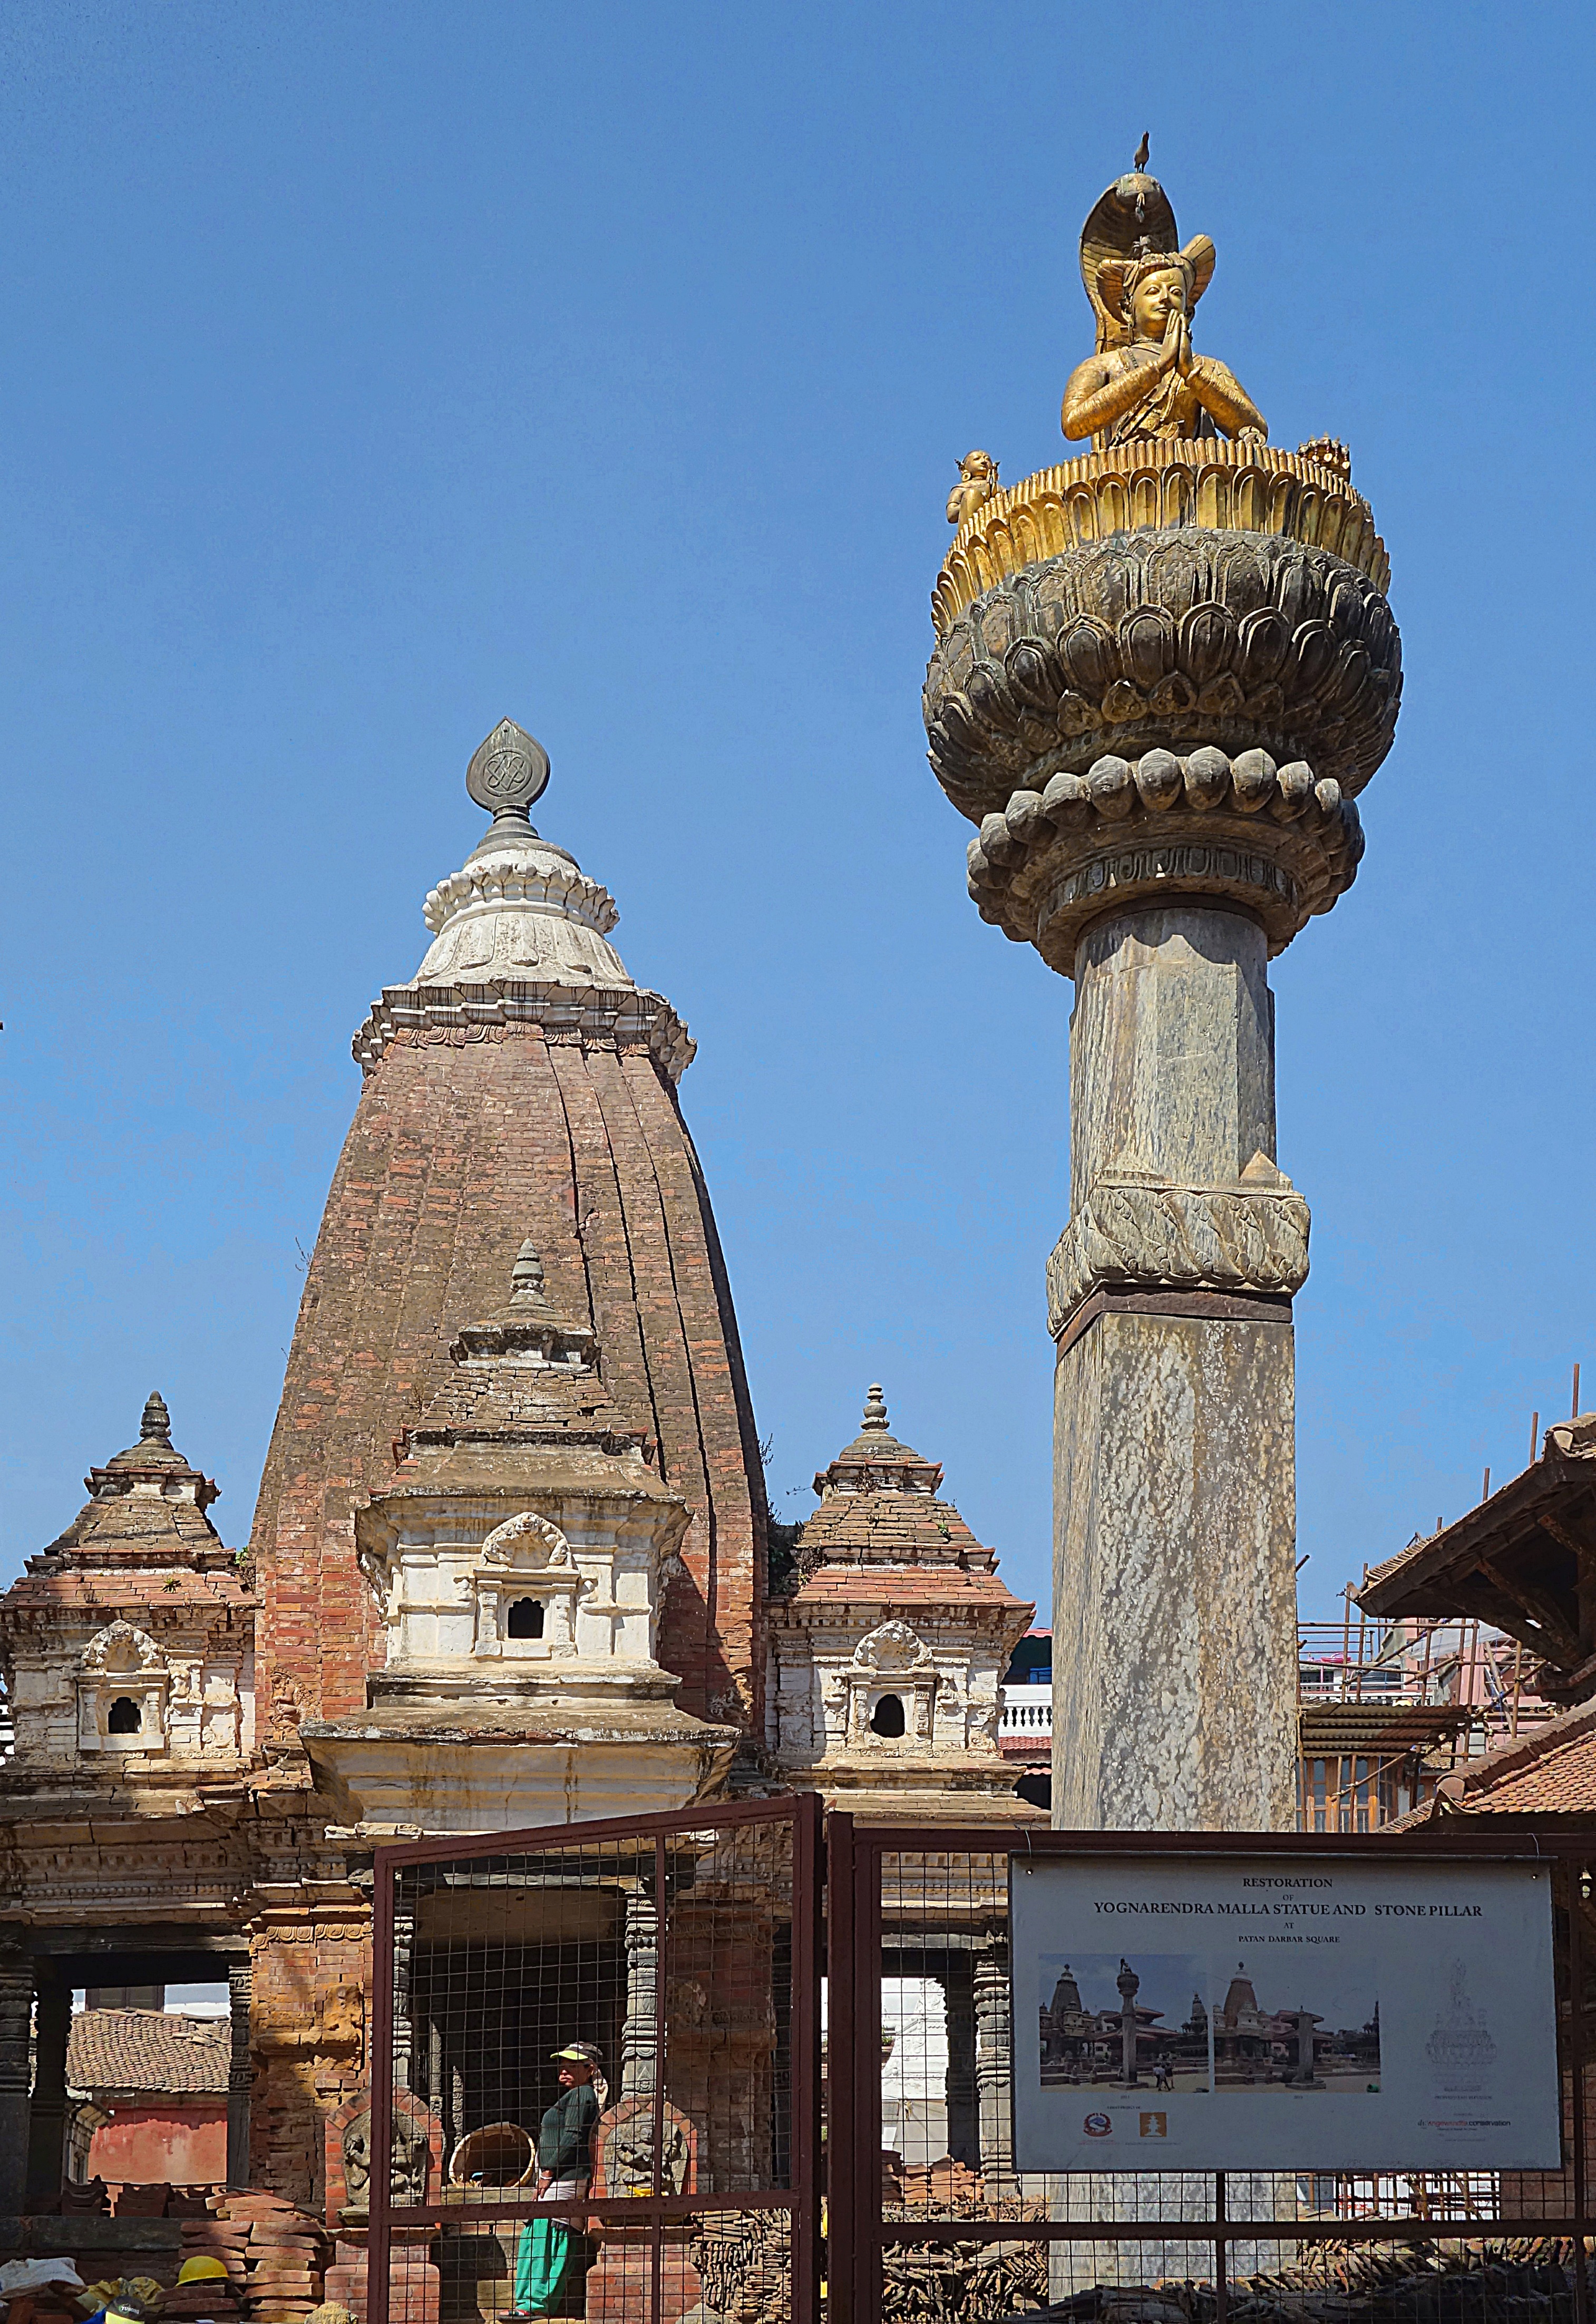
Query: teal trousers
[[542, 2260]]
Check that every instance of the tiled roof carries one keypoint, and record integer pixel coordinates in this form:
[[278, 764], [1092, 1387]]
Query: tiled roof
[[1550, 1771], [891, 1523], [146, 1502], [111, 1591], [881, 1537], [1515, 1561], [1561, 1782], [879, 1584], [147, 2049]]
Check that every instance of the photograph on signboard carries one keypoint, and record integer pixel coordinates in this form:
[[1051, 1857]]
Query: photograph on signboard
[[1138, 2024], [1307, 2025]]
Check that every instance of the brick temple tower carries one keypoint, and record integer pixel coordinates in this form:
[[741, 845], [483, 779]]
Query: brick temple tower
[[520, 1087]]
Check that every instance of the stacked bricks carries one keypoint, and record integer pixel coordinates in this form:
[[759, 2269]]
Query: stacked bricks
[[275, 2255], [464, 1143]]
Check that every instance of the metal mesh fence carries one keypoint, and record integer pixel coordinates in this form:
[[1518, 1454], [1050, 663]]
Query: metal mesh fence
[[605, 2075], [690, 1964]]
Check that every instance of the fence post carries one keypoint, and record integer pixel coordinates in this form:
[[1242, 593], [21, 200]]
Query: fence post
[[380, 2196], [808, 2160], [841, 2126], [869, 1870], [1574, 1873]]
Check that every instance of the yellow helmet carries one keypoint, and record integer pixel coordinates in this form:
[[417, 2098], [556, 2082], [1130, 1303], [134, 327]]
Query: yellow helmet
[[201, 2269]]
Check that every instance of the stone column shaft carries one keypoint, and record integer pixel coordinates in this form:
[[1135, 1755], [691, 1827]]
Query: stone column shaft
[[1175, 1647], [16, 2024], [963, 2121], [47, 2123]]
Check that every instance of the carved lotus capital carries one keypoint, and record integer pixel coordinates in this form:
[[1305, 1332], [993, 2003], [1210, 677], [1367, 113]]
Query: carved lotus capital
[[1138, 1231], [1214, 694], [1279, 842]]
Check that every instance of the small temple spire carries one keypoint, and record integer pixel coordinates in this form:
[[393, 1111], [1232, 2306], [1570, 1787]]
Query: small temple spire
[[525, 1276], [156, 1425], [875, 1410]]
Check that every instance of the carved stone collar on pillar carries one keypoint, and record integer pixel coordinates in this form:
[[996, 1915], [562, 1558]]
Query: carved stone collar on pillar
[[1163, 672]]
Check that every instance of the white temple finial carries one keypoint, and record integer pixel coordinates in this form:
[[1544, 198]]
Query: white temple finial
[[875, 1410], [520, 932], [520, 907]]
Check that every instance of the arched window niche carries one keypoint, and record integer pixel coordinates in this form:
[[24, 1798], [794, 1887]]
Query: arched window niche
[[123, 1682], [524, 1618]]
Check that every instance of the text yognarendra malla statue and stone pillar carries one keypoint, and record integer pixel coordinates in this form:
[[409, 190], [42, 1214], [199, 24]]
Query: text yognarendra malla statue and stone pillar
[[1163, 672]]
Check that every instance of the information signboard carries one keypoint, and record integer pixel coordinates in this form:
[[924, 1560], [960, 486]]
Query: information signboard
[[1256, 2012]]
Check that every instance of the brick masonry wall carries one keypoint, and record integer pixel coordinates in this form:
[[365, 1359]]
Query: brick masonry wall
[[462, 1144], [311, 1974]]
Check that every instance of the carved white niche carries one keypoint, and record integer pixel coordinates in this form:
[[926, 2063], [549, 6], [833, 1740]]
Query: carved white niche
[[524, 1586], [892, 1684], [123, 1686]]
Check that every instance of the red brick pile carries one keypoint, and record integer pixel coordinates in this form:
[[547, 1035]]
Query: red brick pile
[[89, 2197], [141, 2200], [275, 2255]]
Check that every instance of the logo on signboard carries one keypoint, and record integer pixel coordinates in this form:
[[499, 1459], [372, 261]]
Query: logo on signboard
[[1154, 2125], [1098, 2126]]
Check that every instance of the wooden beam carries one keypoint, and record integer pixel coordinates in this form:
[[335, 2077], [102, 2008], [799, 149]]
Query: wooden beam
[[1584, 1551], [1560, 1644]]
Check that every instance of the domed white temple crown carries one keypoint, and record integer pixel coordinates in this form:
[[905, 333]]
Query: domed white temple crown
[[521, 929]]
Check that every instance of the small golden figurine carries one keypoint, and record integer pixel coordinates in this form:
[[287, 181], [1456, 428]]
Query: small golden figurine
[[977, 481], [1145, 383]]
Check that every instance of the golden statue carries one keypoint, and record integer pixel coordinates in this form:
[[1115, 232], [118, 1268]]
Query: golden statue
[[977, 481], [1145, 383]]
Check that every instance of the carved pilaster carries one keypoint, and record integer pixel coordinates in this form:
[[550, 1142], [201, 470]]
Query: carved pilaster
[[240, 2073], [639, 2039], [993, 2046], [404, 1942], [47, 2120], [435, 2083]]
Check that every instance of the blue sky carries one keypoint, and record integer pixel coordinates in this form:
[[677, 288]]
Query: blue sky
[[367, 373]]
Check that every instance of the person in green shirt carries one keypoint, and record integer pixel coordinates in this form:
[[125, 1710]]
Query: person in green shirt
[[564, 2136]]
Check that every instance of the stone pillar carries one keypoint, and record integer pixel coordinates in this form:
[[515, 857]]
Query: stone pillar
[[240, 2073], [959, 2000], [16, 2023], [1174, 1471], [993, 2060], [1127, 1981], [435, 2084], [639, 2038], [46, 2121]]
